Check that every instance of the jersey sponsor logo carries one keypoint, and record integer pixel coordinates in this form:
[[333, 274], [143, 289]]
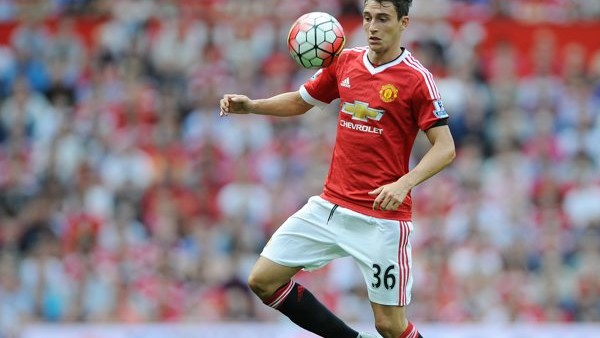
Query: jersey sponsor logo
[[345, 82], [388, 93], [361, 127], [361, 111], [439, 110]]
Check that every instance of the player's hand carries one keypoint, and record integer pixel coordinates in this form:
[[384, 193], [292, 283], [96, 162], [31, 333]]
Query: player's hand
[[390, 196], [234, 104]]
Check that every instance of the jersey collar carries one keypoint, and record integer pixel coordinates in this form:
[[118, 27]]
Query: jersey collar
[[374, 70]]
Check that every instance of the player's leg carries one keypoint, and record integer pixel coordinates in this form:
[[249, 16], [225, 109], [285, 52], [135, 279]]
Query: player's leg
[[272, 283], [391, 322], [302, 241], [383, 252]]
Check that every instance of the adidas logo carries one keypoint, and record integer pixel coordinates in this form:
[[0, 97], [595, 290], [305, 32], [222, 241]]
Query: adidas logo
[[345, 82]]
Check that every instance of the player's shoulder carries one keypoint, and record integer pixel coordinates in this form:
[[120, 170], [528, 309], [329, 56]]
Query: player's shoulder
[[413, 64], [420, 74], [353, 52]]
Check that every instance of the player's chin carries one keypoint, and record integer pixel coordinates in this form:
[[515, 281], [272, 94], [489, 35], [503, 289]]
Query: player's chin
[[375, 46]]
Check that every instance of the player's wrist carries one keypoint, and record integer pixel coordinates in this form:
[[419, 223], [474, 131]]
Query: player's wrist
[[408, 180], [252, 107]]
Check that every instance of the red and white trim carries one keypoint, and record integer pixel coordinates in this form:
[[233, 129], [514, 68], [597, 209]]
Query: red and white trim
[[410, 332], [403, 263], [374, 70], [415, 64], [280, 295]]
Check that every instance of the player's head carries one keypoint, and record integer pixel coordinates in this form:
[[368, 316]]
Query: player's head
[[402, 6], [383, 22]]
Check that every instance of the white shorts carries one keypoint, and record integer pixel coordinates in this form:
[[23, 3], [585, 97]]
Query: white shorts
[[322, 231]]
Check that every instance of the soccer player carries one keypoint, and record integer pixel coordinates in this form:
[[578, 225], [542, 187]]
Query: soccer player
[[386, 97]]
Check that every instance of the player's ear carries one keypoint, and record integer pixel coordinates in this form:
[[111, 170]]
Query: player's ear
[[404, 21]]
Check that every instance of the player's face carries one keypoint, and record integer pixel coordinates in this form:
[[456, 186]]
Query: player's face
[[383, 28]]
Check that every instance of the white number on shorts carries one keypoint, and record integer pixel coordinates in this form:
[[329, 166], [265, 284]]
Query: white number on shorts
[[389, 279]]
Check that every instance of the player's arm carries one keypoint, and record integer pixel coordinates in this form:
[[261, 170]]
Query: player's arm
[[286, 104], [440, 155]]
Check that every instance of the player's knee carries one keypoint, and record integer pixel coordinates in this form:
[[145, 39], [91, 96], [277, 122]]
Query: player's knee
[[259, 285], [383, 326], [254, 283], [387, 327]]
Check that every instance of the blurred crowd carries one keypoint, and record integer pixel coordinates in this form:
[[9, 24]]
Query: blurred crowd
[[125, 198]]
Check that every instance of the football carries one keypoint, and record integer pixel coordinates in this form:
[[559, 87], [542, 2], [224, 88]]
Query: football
[[316, 39]]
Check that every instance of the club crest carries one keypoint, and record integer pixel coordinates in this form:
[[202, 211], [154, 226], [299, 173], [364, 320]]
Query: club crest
[[388, 93]]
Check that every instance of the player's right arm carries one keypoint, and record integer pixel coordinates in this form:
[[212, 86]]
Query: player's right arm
[[286, 104]]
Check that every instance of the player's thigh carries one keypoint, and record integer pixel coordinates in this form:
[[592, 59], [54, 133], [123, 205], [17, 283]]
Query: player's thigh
[[386, 261], [305, 240], [389, 318]]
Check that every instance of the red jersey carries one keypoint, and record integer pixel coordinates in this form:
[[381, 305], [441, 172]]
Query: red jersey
[[381, 110]]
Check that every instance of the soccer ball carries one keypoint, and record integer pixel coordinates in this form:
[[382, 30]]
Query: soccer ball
[[315, 40]]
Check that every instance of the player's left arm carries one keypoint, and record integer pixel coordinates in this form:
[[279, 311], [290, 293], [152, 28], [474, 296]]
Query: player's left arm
[[440, 155]]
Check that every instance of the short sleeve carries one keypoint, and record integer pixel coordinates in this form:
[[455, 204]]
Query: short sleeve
[[427, 103], [321, 88]]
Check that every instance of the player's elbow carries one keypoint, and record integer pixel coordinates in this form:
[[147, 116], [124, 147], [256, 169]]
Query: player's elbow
[[450, 153], [301, 106], [298, 110], [446, 153]]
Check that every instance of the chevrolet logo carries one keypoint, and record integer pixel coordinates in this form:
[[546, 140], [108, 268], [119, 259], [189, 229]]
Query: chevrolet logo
[[361, 111]]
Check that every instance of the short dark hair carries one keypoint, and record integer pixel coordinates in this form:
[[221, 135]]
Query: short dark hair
[[402, 6]]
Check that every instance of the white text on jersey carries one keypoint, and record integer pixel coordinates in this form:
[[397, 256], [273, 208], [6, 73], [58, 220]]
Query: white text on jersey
[[361, 127]]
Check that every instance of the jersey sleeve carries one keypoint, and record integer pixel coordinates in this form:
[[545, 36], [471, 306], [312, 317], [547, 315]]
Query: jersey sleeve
[[322, 87], [427, 103]]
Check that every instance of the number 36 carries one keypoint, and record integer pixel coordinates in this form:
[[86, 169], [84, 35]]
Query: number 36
[[389, 279]]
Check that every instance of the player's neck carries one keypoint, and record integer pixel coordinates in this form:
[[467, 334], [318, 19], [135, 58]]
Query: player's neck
[[378, 59]]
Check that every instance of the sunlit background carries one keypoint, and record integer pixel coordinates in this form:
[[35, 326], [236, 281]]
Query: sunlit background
[[125, 199]]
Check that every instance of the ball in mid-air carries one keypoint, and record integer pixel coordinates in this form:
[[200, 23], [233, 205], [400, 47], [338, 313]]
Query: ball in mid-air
[[316, 39]]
